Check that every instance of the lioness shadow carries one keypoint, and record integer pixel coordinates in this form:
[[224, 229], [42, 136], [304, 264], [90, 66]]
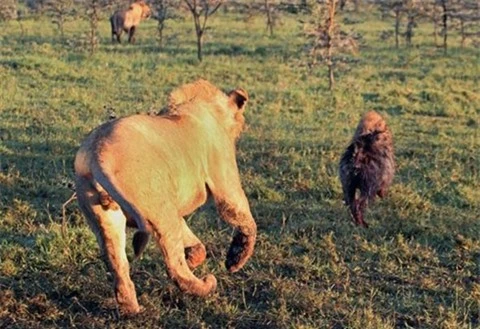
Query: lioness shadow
[[37, 172]]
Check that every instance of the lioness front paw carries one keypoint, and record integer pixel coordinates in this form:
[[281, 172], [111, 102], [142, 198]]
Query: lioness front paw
[[127, 308], [240, 251], [130, 312]]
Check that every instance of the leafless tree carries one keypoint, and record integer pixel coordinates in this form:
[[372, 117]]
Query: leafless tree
[[162, 10], [201, 10], [248, 8], [356, 4], [60, 9], [453, 15], [435, 17], [395, 8], [268, 8], [326, 38], [413, 9], [444, 14], [465, 18], [8, 10], [92, 13], [270, 12]]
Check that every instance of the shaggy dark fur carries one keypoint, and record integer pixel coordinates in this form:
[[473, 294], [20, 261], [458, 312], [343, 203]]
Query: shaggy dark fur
[[367, 165]]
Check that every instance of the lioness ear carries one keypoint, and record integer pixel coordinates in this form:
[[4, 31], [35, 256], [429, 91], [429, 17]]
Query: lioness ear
[[239, 97]]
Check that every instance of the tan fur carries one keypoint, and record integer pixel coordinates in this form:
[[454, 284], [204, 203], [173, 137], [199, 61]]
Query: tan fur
[[153, 170], [127, 20]]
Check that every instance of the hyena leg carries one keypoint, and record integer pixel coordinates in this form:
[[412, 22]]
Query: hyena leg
[[114, 34], [350, 200], [236, 211], [108, 223], [131, 35], [195, 252], [382, 192], [112, 25], [360, 204], [356, 204], [170, 236], [118, 34]]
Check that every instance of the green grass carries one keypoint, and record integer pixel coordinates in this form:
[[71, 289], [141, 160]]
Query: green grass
[[417, 266]]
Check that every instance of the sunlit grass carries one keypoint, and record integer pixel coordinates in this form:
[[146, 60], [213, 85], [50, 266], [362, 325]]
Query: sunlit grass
[[417, 266]]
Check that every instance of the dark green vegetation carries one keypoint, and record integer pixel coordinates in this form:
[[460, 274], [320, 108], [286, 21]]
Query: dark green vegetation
[[417, 266]]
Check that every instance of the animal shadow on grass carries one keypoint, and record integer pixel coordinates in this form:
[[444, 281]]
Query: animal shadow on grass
[[40, 296], [27, 40], [34, 290], [36, 172], [261, 52], [210, 49]]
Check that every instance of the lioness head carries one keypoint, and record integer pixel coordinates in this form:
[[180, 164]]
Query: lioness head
[[226, 108]]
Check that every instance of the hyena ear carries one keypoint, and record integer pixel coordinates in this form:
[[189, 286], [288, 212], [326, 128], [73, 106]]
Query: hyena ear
[[239, 98]]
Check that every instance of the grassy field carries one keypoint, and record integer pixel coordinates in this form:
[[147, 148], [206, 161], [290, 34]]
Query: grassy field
[[417, 266]]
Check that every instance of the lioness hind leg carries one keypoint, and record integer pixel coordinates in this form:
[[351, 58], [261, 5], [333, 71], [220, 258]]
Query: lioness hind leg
[[108, 224], [195, 252], [169, 237]]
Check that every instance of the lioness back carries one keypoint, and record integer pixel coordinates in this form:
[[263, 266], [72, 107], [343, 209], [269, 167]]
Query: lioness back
[[172, 158]]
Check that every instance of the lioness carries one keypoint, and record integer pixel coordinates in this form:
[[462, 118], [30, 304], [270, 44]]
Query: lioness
[[151, 171], [128, 19]]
